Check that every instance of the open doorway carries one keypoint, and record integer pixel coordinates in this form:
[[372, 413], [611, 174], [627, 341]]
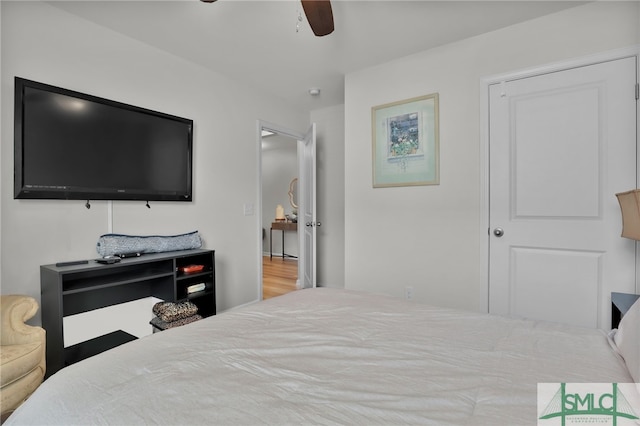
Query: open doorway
[[305, 195], [280, 242]]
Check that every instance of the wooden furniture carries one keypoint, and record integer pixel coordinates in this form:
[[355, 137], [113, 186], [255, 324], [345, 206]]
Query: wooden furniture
[[281, 226], [70, 290], [620, 304]]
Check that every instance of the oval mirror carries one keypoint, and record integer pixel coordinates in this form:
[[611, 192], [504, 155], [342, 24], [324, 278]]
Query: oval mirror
[[293, 193]]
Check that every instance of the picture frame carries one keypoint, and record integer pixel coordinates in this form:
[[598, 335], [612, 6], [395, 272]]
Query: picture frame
[[405, 142]]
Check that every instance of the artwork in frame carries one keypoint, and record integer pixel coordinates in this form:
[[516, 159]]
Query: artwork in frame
[[406, 142]]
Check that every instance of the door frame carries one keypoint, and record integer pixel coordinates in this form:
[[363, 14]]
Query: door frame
[[283, 131], [485, 82]]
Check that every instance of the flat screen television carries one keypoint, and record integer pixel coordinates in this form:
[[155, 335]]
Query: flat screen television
[[75, 146]]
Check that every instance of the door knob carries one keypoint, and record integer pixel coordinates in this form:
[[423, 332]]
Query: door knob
[[308, 224], [498, 232], [318, 223]]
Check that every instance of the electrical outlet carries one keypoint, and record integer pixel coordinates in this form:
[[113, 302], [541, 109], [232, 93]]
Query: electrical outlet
[[408, 293], [248, 209]]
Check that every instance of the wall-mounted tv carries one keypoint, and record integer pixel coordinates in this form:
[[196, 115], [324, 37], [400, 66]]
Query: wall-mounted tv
[[75, 146]]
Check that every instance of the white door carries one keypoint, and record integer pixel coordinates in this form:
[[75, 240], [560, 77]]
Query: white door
[[560, 146], [307, 222]]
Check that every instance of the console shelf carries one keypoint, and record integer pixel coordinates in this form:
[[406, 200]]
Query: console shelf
[[109, 281], [94, 346], [73, 289]]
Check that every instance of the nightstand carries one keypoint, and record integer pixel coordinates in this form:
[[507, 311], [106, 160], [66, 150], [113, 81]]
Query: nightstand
[[620, 304]]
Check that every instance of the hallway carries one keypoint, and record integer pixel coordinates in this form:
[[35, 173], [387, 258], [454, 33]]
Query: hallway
[[278, 276]]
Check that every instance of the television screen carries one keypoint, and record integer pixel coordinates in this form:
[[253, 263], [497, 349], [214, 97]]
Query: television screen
[[70, 145]]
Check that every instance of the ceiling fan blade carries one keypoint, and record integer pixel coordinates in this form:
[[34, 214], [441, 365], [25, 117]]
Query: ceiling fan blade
[[319, 15]]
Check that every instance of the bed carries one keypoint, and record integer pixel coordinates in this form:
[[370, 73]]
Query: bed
[[329, 356]]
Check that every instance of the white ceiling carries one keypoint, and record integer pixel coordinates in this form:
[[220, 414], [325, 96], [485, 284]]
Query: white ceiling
[[257, 42]]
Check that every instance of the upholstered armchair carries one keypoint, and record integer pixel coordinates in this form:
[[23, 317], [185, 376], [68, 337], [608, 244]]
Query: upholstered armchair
[[22, 352]]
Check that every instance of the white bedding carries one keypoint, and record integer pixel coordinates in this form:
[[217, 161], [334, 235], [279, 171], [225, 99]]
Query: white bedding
[[327, 356]]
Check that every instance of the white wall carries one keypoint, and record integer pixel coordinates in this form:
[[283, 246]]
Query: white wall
[[330, 144], [1, 135], [43, 43], [429, 237]]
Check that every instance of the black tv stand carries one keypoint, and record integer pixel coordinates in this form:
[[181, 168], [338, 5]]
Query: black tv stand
[[73, 289]]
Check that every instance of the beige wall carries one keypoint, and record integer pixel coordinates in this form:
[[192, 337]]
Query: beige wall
[[43, 43], [430, 237]]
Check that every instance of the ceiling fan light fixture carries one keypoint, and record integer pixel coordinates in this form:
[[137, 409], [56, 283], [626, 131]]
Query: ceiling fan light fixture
[[319, 15]]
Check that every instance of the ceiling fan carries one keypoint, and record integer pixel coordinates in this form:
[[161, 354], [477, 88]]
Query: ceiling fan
[[318, 12]]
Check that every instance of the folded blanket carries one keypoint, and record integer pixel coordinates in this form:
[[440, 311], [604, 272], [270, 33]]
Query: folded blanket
[[169, 311], [110, 244]]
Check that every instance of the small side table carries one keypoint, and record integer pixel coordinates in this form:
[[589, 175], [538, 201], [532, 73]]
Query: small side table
[[281, 226], [620, 304]]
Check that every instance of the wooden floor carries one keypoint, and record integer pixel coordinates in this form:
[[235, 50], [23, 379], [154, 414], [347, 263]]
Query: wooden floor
[[278, 276]]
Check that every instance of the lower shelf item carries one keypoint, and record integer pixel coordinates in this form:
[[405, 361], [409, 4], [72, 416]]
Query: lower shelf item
[[172, 311]]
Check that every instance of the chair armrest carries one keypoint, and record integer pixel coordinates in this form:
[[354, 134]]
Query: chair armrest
[[15, 310]]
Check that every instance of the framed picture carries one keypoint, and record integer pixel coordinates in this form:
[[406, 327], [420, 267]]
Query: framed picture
[[406, 142]]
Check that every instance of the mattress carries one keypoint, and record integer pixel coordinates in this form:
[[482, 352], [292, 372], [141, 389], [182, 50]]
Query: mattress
[[328, 356]]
